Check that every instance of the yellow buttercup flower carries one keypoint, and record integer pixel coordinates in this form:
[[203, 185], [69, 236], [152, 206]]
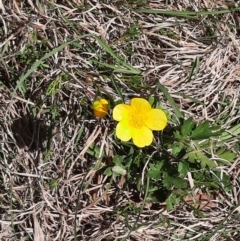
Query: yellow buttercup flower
[[137, 120], [100, 108]]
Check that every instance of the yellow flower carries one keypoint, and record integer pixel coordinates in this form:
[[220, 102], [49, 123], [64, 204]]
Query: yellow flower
[[137, 121], [100, 108]]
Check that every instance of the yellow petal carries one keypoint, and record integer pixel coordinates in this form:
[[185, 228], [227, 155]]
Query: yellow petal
[[156, 120], [100, 113], [104, 102], [120, 112], [97, 104], [142, 137], [105, 105], [141, 104], [123, 131], [100, 107]]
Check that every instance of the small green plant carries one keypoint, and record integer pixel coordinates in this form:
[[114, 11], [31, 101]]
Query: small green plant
[[185, 147]]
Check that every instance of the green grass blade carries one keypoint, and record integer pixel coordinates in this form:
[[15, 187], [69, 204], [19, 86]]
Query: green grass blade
[[171, 101], [117, 89], [190, 98], [187, 14], [194, 69], [40, 61], [115, 68], [232, 133], [119, 61], [70, 23]]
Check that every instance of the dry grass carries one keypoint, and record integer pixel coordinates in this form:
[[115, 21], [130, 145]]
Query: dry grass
[[51, 158]]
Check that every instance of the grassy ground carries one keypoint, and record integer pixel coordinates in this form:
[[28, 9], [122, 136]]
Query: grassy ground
[[64, 173]]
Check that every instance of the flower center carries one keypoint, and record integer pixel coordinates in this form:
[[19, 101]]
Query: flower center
[[136, 119]]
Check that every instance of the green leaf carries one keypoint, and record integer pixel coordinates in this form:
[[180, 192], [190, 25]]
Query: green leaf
[[197, 155], [176, 149], [177, 182], [183, 168], [226, 155], [201, 131], [177, 135], [187, 126], [108, 171], [151, 100], [172, 200], [119, 170], [154, 174], [205, 161], [169, 204], [204, 131], [155, 170], [191, 157], [118, 160]]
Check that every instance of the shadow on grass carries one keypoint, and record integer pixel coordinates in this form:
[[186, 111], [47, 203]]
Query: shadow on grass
[[29, 133]]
